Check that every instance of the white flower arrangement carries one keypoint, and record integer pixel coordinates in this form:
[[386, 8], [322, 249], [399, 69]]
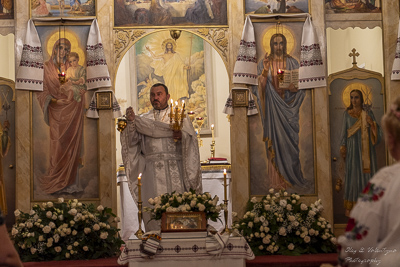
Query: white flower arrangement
[[186, 202], [65, 230], [281, 224]]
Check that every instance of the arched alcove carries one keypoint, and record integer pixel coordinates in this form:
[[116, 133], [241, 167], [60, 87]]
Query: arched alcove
[[131, 72]]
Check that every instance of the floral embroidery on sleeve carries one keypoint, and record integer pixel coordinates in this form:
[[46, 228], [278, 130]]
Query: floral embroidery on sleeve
[[372, 193], [355, 231]]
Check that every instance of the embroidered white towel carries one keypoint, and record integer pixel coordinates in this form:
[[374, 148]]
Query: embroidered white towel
[[30, 71], [216, 243], [396, 63], [312, 68], [97, 70], [245, 70]]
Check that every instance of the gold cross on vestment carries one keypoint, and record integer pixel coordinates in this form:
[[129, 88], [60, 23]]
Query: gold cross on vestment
[[354, 55]]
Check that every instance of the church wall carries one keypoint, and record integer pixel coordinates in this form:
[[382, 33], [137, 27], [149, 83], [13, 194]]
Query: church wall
[[239, 150]]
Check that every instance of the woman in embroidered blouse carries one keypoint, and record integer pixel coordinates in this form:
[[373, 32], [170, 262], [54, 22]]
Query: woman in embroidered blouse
[[65, 119], [360, 133], [373, 230]]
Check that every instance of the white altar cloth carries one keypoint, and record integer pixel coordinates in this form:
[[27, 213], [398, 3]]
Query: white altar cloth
[[172, 253]]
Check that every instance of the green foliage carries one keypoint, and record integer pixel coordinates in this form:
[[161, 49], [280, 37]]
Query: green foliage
[[66, 231], [282, 224]]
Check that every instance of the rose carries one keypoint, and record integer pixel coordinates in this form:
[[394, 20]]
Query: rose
[[282, 231], [17, 213], [103, 235], [46, 229], [100, 208], [73, 212], [291, 246]]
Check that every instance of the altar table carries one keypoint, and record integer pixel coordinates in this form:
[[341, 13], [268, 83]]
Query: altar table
[[192, 252], [213, 182]]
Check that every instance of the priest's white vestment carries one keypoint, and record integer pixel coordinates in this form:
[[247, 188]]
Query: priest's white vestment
[[148, 147]]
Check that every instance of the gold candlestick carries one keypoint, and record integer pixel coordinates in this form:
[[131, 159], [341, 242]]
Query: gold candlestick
[[199, 122], [139, 233], [226, 230], [171, 112], [176, 117], [191, 115], [212, 142]]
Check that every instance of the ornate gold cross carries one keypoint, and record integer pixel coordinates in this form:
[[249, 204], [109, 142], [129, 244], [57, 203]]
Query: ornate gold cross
[[354, 54]]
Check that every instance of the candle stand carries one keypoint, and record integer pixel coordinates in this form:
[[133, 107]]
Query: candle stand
[[139, 233]]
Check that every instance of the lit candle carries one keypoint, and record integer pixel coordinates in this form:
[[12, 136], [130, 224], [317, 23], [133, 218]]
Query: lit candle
[[171, 112], [139, 184], [225, 192], [279, 71], [212, 131], [183, 110]]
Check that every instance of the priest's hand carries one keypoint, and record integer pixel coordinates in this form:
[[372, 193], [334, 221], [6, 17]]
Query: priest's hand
[[177, 135], [130, 115]]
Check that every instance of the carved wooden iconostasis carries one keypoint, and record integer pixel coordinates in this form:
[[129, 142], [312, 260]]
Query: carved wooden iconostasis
[[224, 37]]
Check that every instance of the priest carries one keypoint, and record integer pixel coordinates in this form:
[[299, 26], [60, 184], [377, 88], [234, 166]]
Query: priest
[[169, 160]]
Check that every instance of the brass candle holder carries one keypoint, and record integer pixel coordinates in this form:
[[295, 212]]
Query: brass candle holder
[[177, 114], [226, 229], [212, 142], [280, 74], [139, 233], [192, 116], [121, 124], [199, 122], [61, 77]]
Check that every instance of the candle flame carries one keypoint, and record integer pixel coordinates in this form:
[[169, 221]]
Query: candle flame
[[224, 171], [140, 176], [176, 103], [212, 126]]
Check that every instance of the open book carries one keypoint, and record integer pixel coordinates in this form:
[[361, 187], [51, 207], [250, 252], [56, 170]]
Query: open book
[[290, 76]]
